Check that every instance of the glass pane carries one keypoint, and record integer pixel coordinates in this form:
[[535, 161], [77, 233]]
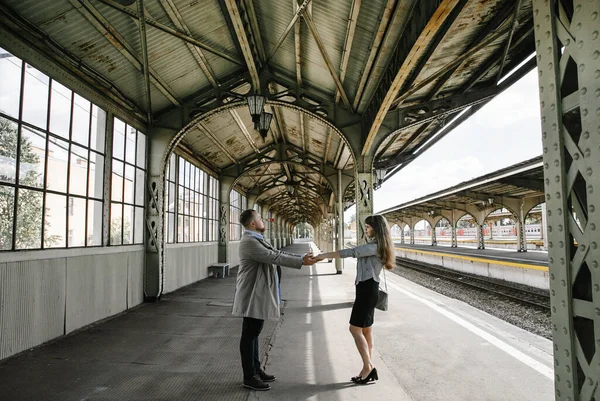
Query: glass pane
[[172, 168], [60, 110], [202, 206], [10, 82], [116, 223], [8, 150], [186, 203], [181, 171], [130, 146], [171, 204], [138, 236], [179, 228], [55, 221], [76, 222], [79, 171], [98, 129], [180, 199], [117, 181], [129, 183], [139, 187], [35, 97], [170, 227], [186, 229], [31, 159], [81, 120], [119, 139], [7, 202], [95, 175], [94, 221], [198, 229], [56, 172], [127, 224], [141, 150]]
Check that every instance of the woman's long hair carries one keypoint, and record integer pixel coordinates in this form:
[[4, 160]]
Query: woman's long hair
[[383, 236]]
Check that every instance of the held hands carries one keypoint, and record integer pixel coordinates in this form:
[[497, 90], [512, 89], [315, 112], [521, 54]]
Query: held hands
[[309, 259]]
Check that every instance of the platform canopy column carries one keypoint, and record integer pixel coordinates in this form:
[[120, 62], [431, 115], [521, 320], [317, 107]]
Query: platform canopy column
[[453, 223], [433, 234], [225, 187], [402, 232], [567, 43], [521, 235], [364, 195], [544, 226], [412, 224], [158, 143], [339, 262]]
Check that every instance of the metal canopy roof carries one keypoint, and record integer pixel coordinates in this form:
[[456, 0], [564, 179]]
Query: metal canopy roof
[[519, 181], [344, 78]]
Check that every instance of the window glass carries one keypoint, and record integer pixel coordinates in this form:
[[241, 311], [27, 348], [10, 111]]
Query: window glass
[[10, 82], [81, 120], [29, 221], [117, 181], [78, 171], [55, 220], [119, 139], [60, 110], [139, 187], [127, 224], [128, 192], [138, 236], [8, 150], [56, 171], [7, 205], [95, 182], [116, 223], [141, 150], [94, 223], [32, 153], [76, 212], [35, 97], [97, 129], [130, 146]]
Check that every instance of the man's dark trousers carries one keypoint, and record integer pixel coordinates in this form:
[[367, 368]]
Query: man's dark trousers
[[251, 329]]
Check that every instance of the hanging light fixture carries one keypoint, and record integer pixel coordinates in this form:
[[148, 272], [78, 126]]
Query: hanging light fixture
[[290, 189], [264, 123], [379, 175], [255, 104]]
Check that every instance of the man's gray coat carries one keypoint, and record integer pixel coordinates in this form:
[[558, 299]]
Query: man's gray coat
[[256, 287]]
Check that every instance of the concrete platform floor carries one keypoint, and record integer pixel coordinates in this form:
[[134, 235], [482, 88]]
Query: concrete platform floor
[[185, 347]]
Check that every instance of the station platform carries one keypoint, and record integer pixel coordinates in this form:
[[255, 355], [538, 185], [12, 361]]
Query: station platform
[[185, 347], [528, 258]]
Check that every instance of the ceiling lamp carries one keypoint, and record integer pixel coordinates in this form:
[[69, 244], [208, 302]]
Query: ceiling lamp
[[379, 175], [255, 105], [264, 123], [290, 189]]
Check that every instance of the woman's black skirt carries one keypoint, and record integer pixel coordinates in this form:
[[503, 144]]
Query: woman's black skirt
[[363, 310]]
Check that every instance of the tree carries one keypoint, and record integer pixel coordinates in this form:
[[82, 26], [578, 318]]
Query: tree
[[30, 209]]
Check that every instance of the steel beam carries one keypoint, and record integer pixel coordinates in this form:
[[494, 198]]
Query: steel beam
[[566, 34]]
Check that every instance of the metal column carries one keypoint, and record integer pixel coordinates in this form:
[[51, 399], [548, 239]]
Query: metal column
[[225, 187], [364, 196], [570, 110], [339, 262]]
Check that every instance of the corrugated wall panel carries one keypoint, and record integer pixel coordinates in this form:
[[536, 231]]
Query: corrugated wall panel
[[96, 288], [188, 263], [32, 304]]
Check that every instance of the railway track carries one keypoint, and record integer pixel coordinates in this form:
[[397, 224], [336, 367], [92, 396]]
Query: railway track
[[513, 293]]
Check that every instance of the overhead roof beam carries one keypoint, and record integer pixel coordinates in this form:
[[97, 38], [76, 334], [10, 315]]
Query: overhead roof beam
[[531, 184], [377, 40], [118, 41], [509, 39], [196, 51], [214, 140], [142, 30], [427, 17], [244, 41], [152, 22], [297, 32], [242, 127], [313, 29], [352, 22], [287, 30]]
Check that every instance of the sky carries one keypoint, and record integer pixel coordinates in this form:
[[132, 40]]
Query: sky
[[505, 131]]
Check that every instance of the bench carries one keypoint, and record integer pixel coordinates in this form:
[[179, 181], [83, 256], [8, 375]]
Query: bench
[[218, 270]]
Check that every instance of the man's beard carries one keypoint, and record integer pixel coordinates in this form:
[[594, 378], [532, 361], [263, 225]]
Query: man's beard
[[261, 230]]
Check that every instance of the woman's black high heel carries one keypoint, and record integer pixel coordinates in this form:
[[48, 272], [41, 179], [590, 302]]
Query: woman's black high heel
[[372, 376]]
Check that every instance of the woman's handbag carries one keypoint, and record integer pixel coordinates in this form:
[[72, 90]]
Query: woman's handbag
[[382, 298]]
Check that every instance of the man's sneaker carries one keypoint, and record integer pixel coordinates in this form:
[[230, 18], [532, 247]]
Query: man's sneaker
[[266, 377], [256, 384]]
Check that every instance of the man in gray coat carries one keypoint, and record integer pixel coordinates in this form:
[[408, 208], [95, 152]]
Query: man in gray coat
[[257, 295]]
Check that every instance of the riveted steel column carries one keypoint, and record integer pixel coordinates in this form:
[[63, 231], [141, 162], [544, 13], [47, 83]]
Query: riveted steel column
[[412, 232], [570, 109], [364, 196], [544, 227], [402, 235], [480, 234], [225, 187], [521, 236], [158, 142], [339, 262], [453, 223], [433, 235]]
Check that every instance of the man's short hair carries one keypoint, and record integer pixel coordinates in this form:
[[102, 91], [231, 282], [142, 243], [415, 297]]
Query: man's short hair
[[246, 217]]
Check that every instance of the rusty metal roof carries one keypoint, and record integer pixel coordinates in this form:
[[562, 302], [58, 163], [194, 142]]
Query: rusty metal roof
[[400, 70]]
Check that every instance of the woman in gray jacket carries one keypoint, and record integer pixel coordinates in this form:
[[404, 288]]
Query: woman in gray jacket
[[372, 258]]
